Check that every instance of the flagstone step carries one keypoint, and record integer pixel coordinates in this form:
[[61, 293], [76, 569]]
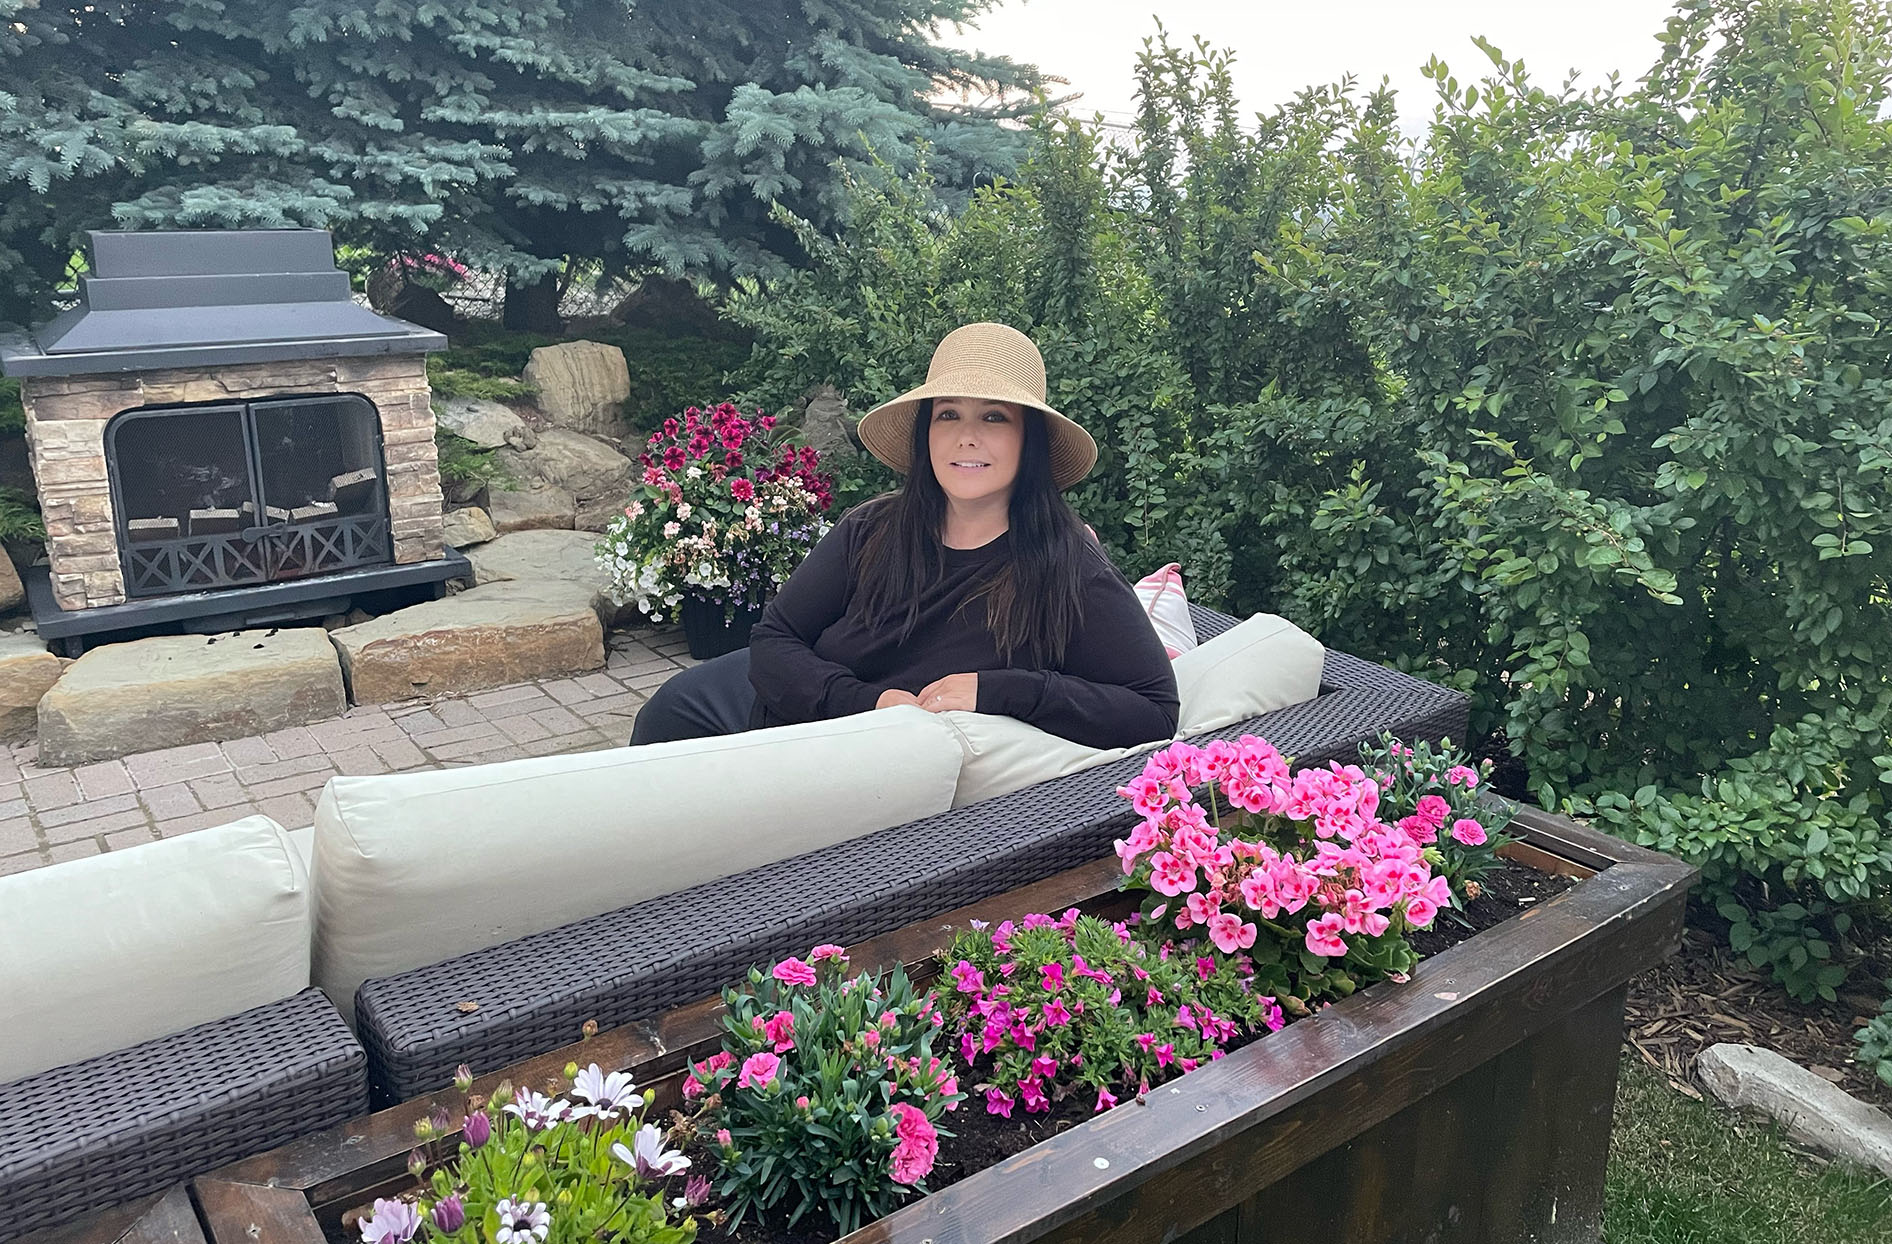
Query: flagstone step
[[175, 689], [491, 636]]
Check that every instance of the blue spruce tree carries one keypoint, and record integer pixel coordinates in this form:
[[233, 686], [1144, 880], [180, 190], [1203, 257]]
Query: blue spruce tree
[[529, 137]]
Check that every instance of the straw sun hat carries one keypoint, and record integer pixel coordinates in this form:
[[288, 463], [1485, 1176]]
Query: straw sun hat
[[989, 361]]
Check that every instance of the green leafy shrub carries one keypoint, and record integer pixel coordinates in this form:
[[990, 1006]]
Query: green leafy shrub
[[12, 413], [1875, 1042], [1580, 404]]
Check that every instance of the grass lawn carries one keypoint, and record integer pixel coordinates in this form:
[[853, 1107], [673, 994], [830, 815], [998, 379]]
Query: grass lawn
[[1684, 1172]]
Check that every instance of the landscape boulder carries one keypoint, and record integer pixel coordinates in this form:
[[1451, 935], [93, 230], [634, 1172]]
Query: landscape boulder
[[489, 425], [581, 385], [1815, 1113], [12, 591], [527, 509], [562, 556], [597, 476], [469, 526], [27, 672]]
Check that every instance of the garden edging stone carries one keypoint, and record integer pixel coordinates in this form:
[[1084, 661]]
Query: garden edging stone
[[1814, 1112]]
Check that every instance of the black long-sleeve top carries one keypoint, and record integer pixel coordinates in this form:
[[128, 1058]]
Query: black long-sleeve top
[[813, 656]]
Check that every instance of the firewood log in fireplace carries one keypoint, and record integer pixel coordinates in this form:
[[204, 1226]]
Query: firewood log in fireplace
[[215, 522], [353, 492], [147, 530]]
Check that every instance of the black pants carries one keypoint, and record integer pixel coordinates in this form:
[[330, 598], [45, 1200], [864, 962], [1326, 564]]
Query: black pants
[[705, 700]]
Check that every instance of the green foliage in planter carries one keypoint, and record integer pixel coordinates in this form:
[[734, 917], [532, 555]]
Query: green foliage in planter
[[1580, 402], [1050, 1008]]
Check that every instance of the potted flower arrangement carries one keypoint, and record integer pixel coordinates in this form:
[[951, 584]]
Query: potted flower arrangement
[[724, 512]]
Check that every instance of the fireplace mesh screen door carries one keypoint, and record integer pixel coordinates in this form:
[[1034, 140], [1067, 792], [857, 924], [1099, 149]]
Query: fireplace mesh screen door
[[226, 496]]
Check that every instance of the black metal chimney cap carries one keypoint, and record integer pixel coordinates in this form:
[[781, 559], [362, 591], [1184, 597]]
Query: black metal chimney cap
[[204, 297]]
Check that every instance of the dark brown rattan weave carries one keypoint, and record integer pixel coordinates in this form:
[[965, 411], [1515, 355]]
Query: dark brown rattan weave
[[629, 964], [115, 1127]]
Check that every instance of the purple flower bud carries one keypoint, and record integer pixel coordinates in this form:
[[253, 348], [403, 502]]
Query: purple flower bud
[[449, 1215], [463, 1077], [416, 1163], [441, 1120], [478, 1128], [696, 1191]]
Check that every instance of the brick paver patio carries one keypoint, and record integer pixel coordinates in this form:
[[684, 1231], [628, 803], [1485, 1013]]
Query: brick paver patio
[[53, 814]]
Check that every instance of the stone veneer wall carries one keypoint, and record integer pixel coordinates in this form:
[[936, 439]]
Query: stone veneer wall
[[65, 428]]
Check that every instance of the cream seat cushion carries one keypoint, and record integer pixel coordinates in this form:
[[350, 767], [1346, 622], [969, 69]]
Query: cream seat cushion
[[1256, 667], [414, 868], [101, 953]]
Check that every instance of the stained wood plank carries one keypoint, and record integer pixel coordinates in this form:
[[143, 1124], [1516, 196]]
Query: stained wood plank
[[255, 1214], [161, 1218]]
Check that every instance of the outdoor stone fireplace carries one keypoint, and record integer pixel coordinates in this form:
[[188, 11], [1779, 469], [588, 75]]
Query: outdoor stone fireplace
[[220, 417]]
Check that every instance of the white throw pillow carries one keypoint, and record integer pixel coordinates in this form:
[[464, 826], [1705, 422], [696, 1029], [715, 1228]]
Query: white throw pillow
[[414, 868], [1253, 668], [1167, 606], [1256, 667], [102, 953]]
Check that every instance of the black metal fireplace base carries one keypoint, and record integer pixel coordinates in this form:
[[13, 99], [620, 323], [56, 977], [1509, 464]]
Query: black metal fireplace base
[[230, 609]]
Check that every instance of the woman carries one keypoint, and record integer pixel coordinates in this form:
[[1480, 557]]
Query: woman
[[974, 587]]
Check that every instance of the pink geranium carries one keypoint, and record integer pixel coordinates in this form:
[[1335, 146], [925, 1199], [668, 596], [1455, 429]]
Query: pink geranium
[[1231, 933], [1171, 875], [1323, 935]]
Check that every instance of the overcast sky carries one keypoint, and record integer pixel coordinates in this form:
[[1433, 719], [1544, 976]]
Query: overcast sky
[[1281, 47]]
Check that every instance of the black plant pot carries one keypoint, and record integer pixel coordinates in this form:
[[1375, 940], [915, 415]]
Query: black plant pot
[[710, 633]]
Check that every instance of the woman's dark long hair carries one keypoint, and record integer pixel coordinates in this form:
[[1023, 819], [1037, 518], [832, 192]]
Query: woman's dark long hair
[[1032, 601]]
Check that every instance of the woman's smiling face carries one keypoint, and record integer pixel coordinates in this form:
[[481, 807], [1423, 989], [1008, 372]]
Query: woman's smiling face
[[975, 444]]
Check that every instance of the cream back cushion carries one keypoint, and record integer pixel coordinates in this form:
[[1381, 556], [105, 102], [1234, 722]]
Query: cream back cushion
[[1256, 667], [101, 953], [414, 868], [1252, 668]]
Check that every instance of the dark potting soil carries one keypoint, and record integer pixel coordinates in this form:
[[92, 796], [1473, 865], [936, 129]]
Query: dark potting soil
[[981, 1140]]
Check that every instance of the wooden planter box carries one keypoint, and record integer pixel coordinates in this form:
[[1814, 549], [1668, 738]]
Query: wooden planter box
[[1471, 1103]]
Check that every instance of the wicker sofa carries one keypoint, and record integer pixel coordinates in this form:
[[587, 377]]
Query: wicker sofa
[[533, 993], [159, 1020], [126, 1122]]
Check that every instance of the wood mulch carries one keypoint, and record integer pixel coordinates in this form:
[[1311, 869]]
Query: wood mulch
[[1703, 996]]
